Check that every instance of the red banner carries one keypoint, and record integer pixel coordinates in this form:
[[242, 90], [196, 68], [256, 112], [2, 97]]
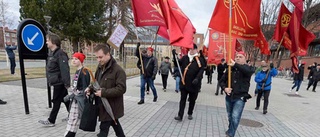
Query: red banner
[[179, 26], [282, 24], [245, 24], [238, 46], [147, 13], [218, 47], [162, 31]]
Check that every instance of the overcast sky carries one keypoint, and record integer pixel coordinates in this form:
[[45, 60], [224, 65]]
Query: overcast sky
[[199, 12]]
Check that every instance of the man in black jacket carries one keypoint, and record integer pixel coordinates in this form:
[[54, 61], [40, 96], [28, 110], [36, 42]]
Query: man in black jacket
[[150, 69], [314, 78], [9, 49], [237, 93], [58, 76], [221, 70], [192, 68]]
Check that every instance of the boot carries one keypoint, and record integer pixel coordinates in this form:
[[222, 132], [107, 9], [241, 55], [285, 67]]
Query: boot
[[141, 102]]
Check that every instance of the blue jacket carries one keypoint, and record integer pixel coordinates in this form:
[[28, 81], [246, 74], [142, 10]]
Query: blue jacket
[[262, 75], [9, 50]]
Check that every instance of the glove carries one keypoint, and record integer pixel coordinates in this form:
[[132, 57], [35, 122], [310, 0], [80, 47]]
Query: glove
[[195, 81], [138, 44], [153, 77], [174, 52], [271, 65], [264, 81]]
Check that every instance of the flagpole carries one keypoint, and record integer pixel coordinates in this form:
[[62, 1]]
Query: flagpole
[[229, 50], [154, 37], [141, 62], [205, 36]]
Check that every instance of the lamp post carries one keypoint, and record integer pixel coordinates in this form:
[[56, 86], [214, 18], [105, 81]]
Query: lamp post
[[47, 19]]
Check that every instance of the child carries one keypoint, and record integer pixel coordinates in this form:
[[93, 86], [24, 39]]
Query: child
[[81, 81]]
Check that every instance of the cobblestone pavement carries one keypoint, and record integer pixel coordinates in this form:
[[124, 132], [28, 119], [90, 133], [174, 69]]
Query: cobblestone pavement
[[288, 115]]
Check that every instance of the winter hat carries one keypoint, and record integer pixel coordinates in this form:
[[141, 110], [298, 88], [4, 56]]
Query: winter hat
[[80, 56], [150, 48], [242, 53]]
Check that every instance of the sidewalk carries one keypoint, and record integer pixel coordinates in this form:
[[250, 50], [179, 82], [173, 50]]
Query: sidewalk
[[288, 115]]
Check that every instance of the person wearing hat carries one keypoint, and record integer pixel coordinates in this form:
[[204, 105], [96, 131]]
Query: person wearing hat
[[264, 79], [80, 82], [221, 70], [150, 67], [164, 69], [58, 76], [314, 78], [192, 68], [237, 94], [298, 78]]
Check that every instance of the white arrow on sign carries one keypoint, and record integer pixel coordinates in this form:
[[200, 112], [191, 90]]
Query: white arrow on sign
[[30, 41]]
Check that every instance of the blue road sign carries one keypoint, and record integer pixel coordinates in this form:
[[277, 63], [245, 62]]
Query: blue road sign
[[32, 37]]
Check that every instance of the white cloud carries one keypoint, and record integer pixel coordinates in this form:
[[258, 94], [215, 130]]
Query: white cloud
[[12, 13]]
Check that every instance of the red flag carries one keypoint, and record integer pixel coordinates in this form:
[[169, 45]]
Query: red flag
[[244, 24], [298, 8], [217, 47], [300, 37], [295, 67], [282, 23], [147, 13], [238, 46], [179, 26], [162, 31]]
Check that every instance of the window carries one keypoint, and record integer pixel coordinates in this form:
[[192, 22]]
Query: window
[[316, 51]]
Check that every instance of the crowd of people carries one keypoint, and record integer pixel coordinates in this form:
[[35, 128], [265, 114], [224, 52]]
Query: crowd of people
[[104, 90]]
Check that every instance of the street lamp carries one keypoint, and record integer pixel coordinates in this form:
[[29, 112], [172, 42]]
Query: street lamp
[[47, 19]]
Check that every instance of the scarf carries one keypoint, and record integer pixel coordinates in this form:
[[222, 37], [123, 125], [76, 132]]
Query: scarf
[[191, 56]]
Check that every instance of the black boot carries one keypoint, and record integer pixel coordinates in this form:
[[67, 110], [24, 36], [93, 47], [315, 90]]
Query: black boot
[[71, 134], [141, 102]]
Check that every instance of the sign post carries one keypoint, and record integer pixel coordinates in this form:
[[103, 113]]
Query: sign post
[[31, 43]]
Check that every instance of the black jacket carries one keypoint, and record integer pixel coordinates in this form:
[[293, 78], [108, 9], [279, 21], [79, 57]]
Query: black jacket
[[221, 69], [315, 74], [193, 72], [240, 80], [152, 68], [9, 50], [299, 76], [58, 70]]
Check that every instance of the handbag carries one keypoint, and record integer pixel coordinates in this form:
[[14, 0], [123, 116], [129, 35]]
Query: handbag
[[89, 115]]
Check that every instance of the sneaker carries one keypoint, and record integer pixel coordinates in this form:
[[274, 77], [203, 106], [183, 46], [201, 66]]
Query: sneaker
[[147, 92], [141, 102], [164, 90], [190, 117], [297, 93], [313, 91], [46, 123], [265, 111], [216, 94], [176, 91], [290, 90], [2, 102], [155, 99], [178, 118], [257, 108]]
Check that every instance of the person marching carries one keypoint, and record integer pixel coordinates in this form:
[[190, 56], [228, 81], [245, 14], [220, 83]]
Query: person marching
[[264, 80], [150, 67], [164, 69], [192, 68], [81, 81], [237, 95]]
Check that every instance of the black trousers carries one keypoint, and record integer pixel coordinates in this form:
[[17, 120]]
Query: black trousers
[[164, 80], [12, 65], [312, 82], [266, 94], [105, 125], [209, 79], [59, 92], [192, 96], [218, 87]]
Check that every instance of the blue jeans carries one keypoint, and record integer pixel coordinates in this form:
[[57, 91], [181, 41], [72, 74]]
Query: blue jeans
[[178, 83], [143, 82], [297, 84], [234, 110]]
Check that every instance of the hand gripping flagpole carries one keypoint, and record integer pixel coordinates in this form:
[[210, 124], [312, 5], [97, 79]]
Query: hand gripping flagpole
[[141, 62], [229, 50]]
